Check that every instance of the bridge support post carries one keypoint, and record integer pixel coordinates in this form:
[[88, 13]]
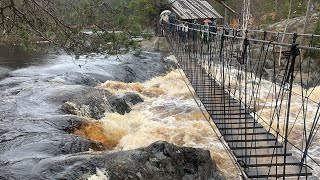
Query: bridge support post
[[245, 64], [289, 79]]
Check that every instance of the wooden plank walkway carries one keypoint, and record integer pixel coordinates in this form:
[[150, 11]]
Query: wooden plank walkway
[[257, 151]]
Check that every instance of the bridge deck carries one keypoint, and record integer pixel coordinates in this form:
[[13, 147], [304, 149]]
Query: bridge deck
[[259, 152]]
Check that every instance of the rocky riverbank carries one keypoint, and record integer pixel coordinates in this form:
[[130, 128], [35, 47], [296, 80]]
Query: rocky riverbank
[[42, 106]]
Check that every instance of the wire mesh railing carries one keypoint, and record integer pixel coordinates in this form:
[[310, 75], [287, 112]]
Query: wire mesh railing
[[263, 100]]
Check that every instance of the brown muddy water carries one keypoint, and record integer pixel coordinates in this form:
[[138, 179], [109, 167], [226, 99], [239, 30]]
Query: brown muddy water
[[168, 113]]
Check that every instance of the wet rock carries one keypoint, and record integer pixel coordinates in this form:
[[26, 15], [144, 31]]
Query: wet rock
[[132, 98], [127, 75], [82, 110], [118, 105], [158, 161], [92, 103], [4, 72], [171, 63], [24, 142], [81, 79], [137, 69], [81, 101]]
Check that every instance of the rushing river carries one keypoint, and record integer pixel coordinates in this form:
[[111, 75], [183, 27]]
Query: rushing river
[[34, 125], [168, 112]]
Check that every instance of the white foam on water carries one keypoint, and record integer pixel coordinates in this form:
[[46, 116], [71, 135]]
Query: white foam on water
[[100, 175], [170, 113]]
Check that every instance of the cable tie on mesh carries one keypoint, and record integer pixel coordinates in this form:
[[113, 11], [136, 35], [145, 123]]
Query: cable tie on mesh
[[242, 163]]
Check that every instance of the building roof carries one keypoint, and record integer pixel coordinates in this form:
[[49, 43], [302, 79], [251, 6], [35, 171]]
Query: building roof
[[193, 9]]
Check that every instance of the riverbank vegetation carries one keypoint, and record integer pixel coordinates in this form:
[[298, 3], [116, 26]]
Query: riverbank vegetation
[[266, 12], [107, 26], [78, 26]]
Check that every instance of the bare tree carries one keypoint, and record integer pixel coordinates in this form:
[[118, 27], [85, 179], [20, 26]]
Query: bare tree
[[63, 22], [34, 16], [245, 14]]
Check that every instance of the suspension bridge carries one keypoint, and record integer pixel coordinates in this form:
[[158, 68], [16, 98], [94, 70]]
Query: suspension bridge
[[259, 94]]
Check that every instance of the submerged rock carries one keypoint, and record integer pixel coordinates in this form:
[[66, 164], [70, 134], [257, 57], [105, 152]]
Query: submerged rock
[[132, 98], [158, 161], [81, 79]]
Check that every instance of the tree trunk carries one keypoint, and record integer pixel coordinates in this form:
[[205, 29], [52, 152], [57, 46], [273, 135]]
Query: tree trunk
[[276, 10], [245, 14], [306, 22], [285, 29], [225, 16], [305, 26]]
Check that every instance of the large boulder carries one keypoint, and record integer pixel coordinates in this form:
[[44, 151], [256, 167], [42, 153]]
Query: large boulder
[[159, 161], [91, 102]]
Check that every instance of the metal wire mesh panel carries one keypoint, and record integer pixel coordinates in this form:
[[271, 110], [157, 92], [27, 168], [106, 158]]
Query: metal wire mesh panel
[[261, 98]]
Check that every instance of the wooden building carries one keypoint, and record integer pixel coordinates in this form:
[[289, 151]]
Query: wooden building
[[193, 9]]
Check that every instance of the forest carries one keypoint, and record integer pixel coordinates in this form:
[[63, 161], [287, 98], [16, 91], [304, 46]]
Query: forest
[[62, 22]]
